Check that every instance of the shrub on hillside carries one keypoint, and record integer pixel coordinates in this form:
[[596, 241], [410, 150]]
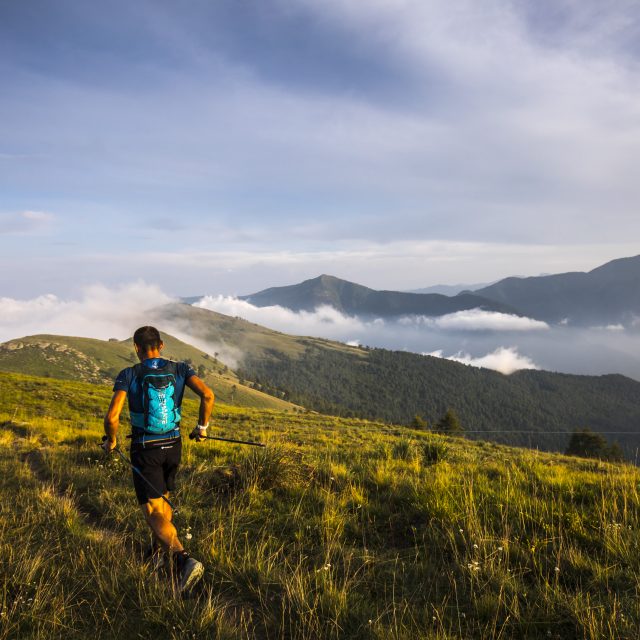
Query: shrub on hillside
[[585, 443], [449, 424], [418, 422], [433, 452]]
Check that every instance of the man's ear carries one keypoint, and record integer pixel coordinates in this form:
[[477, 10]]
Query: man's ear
[[136, 347], [161, 347]]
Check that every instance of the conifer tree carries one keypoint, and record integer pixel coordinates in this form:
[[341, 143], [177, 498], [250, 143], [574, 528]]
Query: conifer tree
[[449, 424], [419, 422], [588, 444]]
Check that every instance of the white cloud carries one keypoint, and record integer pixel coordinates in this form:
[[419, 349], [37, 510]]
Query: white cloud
[[406, 333], [324, 321], [478, 320], [24, 222], [101, 312], [611, 327], [504, 359], [525, 122]]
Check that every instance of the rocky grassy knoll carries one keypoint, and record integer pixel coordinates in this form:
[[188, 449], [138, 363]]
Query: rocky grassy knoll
[[100, 361], [338, 529]]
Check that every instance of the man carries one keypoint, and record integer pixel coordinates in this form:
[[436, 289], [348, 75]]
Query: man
[[154, 389]]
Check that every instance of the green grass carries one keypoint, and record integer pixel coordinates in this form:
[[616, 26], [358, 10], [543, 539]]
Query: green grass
[[100, 361], [338, 529]]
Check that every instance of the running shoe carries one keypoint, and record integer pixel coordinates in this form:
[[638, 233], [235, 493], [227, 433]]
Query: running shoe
[[189, 572]]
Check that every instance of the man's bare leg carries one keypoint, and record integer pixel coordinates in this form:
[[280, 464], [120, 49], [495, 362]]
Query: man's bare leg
[[158, 515]]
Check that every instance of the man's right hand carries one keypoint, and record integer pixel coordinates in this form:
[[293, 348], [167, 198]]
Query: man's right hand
[[198, 434], [108, 444]]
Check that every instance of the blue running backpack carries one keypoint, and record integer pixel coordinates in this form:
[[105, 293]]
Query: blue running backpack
[[158, 388]]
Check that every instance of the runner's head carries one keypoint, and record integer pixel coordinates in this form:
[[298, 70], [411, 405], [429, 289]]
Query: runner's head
[[147, 341]]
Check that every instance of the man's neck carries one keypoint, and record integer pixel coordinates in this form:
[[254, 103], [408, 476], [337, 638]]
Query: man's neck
[[149, 355]]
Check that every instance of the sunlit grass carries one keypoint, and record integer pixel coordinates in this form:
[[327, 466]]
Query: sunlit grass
[[338, 529]]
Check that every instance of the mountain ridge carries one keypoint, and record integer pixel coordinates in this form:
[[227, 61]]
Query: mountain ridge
[[608, 294], [354, 299]]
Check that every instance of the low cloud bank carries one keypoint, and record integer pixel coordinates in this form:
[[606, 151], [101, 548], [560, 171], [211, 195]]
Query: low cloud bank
[[504, 359], [325, 321], [478, 320], [477, 338], [101, 312], [284, 319], [464, 335]]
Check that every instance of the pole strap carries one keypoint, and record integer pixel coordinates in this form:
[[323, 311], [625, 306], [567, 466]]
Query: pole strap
[[253, 444]]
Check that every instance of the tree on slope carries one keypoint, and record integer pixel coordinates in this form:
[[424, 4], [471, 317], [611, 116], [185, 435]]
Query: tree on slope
[[585, 443], [449, 424], [419, 422]]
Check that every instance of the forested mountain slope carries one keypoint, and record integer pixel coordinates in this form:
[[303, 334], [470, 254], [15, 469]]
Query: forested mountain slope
[[609, 294], [530, 408]]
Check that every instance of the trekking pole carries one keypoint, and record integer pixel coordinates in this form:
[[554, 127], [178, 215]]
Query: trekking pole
[[136, 470], [253, 444]]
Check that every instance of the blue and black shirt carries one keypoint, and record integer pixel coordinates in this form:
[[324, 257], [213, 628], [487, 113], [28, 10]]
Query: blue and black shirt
[[129, 380]]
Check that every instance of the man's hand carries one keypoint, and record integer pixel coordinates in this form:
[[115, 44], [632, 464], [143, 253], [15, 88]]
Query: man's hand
[[108, 444], [199, 433]]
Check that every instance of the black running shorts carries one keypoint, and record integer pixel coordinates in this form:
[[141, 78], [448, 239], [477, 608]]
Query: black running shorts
[[158, 465]]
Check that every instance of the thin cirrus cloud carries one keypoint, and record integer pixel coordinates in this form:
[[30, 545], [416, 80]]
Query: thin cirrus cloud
[[297, 126], [492, 123], [25, 222]]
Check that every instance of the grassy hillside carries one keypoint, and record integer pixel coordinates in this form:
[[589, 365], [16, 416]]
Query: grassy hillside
[[236, 338], [530, 408], [99, 361], [338, 529]]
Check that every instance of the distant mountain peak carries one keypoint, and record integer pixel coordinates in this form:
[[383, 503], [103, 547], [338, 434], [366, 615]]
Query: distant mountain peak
[[356, 299]]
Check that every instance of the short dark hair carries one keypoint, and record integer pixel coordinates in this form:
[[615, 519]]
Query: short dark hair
[[147, 338]]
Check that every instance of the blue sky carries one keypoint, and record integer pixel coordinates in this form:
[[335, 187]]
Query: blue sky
[[223, 147]]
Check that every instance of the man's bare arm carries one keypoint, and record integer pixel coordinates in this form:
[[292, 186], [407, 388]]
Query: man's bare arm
[[112, 420], [207, 398]]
